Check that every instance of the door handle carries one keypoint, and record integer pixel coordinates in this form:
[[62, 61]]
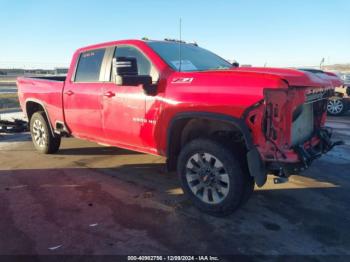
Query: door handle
[[109, 94], [69, 93]]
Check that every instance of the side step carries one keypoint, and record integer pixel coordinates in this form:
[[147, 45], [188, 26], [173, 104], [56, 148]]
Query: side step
[[61, 129]]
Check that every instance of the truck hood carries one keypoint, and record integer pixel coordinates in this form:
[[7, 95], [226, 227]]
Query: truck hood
[[243, 86], [295, 77]]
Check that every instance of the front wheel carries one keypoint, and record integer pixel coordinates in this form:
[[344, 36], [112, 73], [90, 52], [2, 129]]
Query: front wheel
[[336, 106], [211, 176], [42, 137]]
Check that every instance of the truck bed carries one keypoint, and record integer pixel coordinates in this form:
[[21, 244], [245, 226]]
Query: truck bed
[[46, 90], [52, 78]]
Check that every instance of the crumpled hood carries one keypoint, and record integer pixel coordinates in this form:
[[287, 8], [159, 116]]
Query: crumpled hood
[[296, 77]]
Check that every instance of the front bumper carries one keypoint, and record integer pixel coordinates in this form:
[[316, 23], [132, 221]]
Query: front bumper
[[307, 152]]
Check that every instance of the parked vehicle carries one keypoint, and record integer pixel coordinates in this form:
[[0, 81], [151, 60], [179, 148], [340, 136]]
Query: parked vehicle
[[339, 103], [223, 128], [346, 79]]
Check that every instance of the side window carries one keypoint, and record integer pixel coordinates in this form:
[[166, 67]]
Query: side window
[[89, 66], [144, 66]]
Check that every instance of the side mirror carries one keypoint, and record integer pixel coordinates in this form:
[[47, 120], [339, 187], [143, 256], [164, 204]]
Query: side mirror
[[130, 80], [125, 66], [126, 74]]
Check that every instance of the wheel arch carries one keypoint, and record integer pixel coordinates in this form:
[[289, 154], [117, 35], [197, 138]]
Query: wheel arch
[[183, 125], [32, 106]]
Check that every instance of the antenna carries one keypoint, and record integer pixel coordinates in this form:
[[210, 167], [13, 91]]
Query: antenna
[[180, 43]]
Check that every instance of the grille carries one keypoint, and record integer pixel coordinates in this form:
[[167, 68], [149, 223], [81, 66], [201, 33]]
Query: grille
[[303, 124]]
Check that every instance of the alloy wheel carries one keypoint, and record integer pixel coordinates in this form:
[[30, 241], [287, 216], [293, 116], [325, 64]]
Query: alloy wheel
[[335, 106], [39, 133], [207, 178]]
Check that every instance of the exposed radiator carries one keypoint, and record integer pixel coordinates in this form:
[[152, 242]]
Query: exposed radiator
[[303, 124]]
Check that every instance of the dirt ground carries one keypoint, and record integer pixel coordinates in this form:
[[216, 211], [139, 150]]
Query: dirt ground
[[89, 199]]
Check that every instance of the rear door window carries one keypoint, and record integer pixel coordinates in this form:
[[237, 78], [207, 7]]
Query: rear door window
[[89, 66]]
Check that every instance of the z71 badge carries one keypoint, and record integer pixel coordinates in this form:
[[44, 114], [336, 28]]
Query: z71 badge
[[182, 80]]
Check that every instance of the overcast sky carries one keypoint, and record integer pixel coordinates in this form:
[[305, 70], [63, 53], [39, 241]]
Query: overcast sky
[[44, 33]]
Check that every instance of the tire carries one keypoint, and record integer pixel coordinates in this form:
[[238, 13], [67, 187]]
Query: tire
[[336, 106], [212, 177], [248, 189], [42, 138]]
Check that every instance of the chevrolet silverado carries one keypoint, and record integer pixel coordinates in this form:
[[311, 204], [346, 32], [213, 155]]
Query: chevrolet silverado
[[223, 128]]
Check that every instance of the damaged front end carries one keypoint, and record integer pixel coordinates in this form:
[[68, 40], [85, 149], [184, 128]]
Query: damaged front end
[[308, 152], [288, 129]]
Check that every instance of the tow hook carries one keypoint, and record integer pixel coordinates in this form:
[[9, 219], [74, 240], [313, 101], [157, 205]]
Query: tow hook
[[280, 180]]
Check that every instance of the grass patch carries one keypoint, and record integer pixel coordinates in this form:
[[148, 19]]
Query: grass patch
[[9, 101]]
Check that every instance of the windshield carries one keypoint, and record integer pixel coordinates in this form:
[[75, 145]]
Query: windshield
[[193, 58]]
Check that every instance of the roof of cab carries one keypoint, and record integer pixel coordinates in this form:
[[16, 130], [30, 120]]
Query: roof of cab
[[111, 43], [127, 41]]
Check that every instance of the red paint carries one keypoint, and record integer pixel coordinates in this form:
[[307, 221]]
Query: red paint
[[125, 117]]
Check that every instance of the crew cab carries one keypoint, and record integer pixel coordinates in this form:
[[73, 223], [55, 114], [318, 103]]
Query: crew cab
[[223, 128]]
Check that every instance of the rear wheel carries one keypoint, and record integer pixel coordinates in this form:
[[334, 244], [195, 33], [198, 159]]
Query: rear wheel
[[42, 137], [336, 106], [212, 177]]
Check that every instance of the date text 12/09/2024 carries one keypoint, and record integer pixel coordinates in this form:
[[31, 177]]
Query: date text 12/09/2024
[[173, 258]]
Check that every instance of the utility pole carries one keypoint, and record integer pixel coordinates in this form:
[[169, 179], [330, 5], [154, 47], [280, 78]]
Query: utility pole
[[322, 63]]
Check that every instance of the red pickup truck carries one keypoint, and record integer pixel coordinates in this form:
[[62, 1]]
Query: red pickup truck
[[222, 127]]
